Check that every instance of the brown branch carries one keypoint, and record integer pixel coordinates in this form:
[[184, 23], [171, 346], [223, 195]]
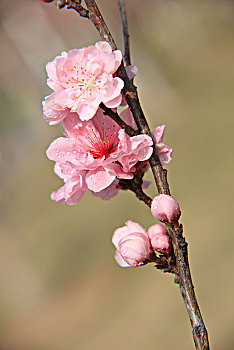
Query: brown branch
[[160, 175], [114, 115], [135, 188], [123, 15], [199, 331]]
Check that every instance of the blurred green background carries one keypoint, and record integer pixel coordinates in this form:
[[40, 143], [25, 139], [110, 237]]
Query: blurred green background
[[60, 288]]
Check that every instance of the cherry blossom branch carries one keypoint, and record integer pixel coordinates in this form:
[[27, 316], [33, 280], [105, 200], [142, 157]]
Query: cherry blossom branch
[[183, 276], [123, 15], [115, 116]]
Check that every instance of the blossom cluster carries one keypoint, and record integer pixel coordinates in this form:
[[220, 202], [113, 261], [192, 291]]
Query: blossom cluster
[[95, 153], [135, 246]]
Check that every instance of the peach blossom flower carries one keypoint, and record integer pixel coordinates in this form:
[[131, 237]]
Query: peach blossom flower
[[82, 79], [94, 154]]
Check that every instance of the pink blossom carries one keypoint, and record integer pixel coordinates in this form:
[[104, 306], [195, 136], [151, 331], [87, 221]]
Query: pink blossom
[[132, 244], [83, 78], [165, 209], [164, 151], [158, 237], [94, 154], [53, 111]]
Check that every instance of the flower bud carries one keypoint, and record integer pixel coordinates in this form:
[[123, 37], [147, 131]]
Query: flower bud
[[133, 245], [135, 249], [165, 209], [158, 237]]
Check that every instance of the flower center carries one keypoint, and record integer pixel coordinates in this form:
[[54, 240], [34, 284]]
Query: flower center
[[102, 146], [80, 79]]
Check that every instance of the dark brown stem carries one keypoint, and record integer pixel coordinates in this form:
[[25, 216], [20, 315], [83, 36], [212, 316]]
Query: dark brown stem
[[123, 15], [199, 331], [185, 281], [114, 115], [135, 188]]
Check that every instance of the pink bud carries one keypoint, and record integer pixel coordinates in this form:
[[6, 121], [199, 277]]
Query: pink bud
[[165, 209], [133, 245], [158, 237], [135, 249]]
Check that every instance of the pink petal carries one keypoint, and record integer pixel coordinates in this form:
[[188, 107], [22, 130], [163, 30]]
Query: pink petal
[[135, 227], [127, 116], [112, 90], [87, 109], [120, 261], [71, 193], [164, 153], [132, 71], [117, 170], [98, 179], [120, 233], [158, 133], [108, 192], [115, 102], [62, 150]]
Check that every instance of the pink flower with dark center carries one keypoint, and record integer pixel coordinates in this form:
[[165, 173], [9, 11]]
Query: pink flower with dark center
[[100, 150], [83, 78], [133, 246]]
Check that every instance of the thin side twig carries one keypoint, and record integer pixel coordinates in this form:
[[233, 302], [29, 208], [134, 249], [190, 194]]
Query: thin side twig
[[137, 190], [115, 116], [136, 183], [123, 15]]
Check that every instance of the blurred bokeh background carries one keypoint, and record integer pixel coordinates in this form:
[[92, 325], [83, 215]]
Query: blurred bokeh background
[[60, 288]]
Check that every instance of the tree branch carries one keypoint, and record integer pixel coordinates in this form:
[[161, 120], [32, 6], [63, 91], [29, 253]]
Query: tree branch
[[185, 281], [114, 115], [123, 15]]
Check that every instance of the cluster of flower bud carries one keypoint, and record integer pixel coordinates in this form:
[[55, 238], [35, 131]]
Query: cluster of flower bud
[[135, 246]]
